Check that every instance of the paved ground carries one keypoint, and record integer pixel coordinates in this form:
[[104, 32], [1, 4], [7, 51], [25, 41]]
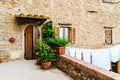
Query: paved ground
[[27, 70]]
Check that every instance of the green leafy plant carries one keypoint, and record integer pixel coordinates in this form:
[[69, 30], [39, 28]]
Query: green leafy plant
[[59, 42], [44, 51], [48, 57], [48, 31]]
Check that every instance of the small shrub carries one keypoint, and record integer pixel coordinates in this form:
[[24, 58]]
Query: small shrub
[[44, 51], [59, 42]]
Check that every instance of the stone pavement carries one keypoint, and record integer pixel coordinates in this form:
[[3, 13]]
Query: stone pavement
[[27, 70]]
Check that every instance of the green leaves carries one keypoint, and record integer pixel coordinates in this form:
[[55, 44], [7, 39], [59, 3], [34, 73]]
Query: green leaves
[[48, 31], [58, 41], [44, 51], [48, 57]]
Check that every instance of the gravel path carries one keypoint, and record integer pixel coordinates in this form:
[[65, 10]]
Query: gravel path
[[27, 70]]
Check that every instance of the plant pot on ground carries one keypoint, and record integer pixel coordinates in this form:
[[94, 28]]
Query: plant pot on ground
[[46, 65], [45, 54], [59, 44]]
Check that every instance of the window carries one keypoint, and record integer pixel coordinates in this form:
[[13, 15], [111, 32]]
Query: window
[[65, 31], [111, 1], [108, 35], [108, 1]]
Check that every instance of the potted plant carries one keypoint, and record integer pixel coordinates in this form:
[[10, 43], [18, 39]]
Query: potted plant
[[59, 44], [46, 58], [45, 54], [38, 50]]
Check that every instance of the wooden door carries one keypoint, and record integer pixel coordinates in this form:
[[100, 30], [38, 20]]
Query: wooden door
[[31, 36], [35, 37]]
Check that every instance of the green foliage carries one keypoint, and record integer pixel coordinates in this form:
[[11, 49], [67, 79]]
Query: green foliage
[[48, 57], [44, 51], [59, 42], [48, 31]]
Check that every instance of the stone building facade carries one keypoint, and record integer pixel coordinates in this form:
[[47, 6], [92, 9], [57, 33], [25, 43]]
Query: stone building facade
[[90, 18]]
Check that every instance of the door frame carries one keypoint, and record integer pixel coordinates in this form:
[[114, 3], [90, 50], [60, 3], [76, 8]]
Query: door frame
[[23, 37]]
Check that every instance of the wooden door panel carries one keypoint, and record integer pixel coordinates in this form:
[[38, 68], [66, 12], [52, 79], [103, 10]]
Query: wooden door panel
[[35, 37], [28, 42], [31, 36]]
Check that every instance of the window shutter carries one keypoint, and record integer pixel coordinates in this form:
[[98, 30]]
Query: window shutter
[[70, 35], [108, 36], [57, 30], [74, 34]]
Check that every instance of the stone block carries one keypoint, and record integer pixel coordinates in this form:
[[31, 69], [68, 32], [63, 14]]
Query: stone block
[[15, 55], [4, 57]]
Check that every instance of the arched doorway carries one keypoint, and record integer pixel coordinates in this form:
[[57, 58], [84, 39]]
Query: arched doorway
[[31, 35]]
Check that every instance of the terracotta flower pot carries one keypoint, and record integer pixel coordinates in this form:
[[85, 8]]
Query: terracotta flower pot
[[60, 50], [46, 65], [12, 40]]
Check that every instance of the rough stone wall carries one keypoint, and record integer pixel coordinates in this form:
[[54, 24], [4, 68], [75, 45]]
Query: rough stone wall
[[89, 17], [80, 70]]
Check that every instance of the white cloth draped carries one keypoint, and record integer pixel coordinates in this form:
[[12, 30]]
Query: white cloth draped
[[67, 51], [86, 55], [101, 58], [72, 52], [115, 53], [78, 53]]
